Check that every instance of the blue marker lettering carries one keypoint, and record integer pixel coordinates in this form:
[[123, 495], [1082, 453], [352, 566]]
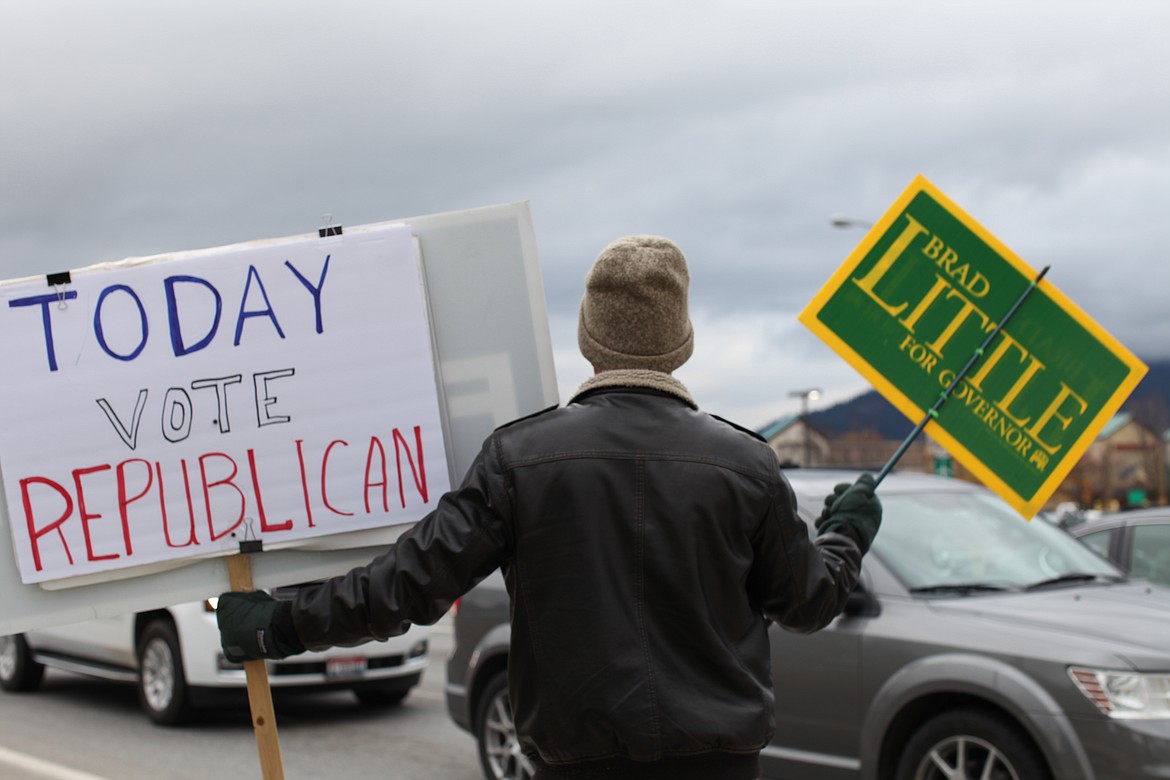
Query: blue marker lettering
[[43, 301], [99, 331], [177, 343], [314, 291]]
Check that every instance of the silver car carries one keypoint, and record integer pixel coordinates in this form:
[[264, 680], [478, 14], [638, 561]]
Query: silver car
[[1138, 541], [977, 645]]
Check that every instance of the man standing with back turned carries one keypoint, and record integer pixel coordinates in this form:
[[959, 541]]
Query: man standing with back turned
[[645, 545]]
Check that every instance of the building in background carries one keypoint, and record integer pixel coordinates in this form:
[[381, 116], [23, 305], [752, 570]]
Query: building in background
[[1125, 467], [797, 443]]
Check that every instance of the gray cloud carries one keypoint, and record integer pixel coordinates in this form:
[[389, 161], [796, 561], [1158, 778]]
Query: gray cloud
[[132, 128]]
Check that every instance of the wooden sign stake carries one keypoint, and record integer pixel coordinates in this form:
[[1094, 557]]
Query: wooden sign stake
[[259, 692]]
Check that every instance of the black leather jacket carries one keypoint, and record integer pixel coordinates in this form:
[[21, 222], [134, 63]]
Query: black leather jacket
[[645, 544]]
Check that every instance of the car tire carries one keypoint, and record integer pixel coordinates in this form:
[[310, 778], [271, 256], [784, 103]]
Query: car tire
[[162, 682], [18, 671], [970, 743], [495, 732]]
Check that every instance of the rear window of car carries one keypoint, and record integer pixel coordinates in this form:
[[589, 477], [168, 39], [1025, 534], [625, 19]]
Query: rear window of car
[[1150, 558]]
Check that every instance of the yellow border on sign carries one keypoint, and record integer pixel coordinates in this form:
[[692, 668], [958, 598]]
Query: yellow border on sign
[[1025, 505]]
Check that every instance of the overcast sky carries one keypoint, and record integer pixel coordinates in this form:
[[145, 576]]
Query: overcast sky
[[738, 129]]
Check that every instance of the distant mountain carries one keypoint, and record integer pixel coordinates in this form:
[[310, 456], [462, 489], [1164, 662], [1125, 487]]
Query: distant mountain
[[868, 411], [1149, 403]]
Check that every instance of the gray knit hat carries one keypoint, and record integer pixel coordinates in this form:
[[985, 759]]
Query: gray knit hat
[[634, 313]]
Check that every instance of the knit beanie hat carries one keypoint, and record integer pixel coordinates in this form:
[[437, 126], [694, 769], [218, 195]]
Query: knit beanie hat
[[634, 313]]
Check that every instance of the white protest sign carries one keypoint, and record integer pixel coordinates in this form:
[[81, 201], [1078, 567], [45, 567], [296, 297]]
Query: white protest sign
[[490, 337], [169, 408]]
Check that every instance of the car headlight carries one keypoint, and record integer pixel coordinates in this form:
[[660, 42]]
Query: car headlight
[[1131, 695]]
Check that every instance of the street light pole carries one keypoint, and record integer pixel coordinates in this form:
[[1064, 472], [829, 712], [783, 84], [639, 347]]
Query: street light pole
[[805, 396], [843, 222]]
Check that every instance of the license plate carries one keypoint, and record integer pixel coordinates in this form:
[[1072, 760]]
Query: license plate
[[344, 668]]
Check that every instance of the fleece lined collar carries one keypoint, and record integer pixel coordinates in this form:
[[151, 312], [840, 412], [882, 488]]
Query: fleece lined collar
[[637, 377]]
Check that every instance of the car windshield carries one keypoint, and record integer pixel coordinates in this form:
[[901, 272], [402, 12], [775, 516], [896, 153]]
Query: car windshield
[[970, 542]]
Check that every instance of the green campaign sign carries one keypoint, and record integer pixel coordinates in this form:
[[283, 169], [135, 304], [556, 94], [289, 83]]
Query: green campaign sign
[[915, 302]]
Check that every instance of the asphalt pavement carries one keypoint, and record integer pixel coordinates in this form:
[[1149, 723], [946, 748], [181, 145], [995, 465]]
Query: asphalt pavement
[[18, 765]]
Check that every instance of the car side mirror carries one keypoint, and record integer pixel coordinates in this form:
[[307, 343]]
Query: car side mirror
[[862, 603]]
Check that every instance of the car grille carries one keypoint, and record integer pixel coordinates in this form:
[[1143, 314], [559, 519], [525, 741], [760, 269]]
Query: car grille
[[286, 668], [294, 668]]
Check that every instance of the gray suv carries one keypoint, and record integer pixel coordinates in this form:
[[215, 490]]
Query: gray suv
[[977, 645]]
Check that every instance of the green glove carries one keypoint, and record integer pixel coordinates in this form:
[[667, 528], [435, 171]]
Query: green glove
[[854, 510], [253, 625]]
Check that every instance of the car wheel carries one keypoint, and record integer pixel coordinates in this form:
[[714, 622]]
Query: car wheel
[[495, 731], [970, 745], [162, 683], [18, 670]]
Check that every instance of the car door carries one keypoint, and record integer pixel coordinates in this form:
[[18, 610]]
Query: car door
[[106, 640], [817, 681], [1149, 552]]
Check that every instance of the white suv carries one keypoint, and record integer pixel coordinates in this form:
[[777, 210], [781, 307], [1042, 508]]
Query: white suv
[[174, 657]]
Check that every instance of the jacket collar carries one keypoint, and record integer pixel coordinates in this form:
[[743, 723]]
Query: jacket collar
[[636, 377]]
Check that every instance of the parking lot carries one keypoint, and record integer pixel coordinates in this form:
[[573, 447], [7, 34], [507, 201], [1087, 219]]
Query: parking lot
[[78, 728]]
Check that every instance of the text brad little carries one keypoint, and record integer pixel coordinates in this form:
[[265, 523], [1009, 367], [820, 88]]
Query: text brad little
[[191, 498], [1036, 436]]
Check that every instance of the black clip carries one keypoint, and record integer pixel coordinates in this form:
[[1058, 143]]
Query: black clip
[[59, 281], [250, 544], [328, 230]]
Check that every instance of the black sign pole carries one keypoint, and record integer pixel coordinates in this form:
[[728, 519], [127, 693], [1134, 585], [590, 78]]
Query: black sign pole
[[932, 412]]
